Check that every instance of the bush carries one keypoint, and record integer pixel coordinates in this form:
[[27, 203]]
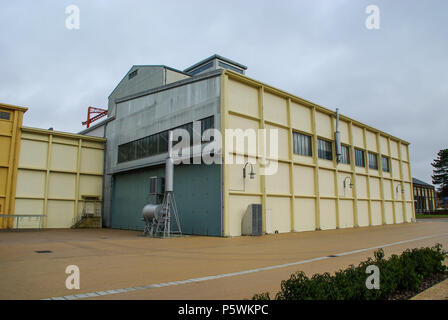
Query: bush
[[397, 274]]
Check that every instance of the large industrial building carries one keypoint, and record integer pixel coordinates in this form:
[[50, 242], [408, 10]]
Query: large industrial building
[[367, 183]]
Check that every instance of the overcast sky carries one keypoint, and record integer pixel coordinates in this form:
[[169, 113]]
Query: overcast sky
[[394, 78]]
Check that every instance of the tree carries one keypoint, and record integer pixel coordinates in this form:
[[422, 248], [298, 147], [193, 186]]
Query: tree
[[440, 172]]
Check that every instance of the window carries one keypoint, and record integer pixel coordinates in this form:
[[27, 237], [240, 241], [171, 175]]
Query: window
[[385, 164], [325, 150], [201, 68], [302, 144], [5, 115], [207, 123], [345, 155], [373, 161], [156, 143], [133, 74], [359, 158]]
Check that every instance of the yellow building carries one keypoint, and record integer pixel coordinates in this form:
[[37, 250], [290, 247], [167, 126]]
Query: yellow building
[[49, 179], [10, 131], [311, 190]]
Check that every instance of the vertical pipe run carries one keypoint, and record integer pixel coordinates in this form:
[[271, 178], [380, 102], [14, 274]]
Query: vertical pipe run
[[169, 168], [337, 138]]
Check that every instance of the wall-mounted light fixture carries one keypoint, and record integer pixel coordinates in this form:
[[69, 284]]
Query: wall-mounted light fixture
[[345, 183], [399, 186], [251, 174]]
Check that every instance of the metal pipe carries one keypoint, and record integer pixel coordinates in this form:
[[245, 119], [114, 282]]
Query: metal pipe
[[169, 167], [337, 138]]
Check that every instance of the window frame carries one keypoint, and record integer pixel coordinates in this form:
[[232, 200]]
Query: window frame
[[4, 115], [321, 151], [388, 163], [357, 151], [373, 154], [348, 154], [295, 138]]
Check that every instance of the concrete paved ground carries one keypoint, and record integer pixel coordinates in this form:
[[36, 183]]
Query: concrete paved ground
[[115, 259], [437, 292]]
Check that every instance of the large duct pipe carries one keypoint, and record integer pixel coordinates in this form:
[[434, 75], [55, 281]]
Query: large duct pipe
[[169, 167], [151, 212], [337, 138]]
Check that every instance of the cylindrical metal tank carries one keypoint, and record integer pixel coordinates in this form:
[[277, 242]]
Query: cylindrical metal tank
[[151, 212]]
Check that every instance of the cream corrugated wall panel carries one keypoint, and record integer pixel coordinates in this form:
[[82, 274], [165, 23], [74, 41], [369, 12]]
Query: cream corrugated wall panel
[[345, 213], [343, 129], [398, 212], [243, 98], [58, 214], [376, 213], [361, 186], [30, 183], [280, 208], [405, 171], [279, 182], [371, 141], [300, 117], [303, 180], [236, 122], [323, 125], [393, 149], [409, 207], [388, 212], [404, 152], [63, 157], [326, 183], [327, 214], [363, 213], [375, 192], [33, 154], [92, 160], [383, 145], [387, 186], [62, 186], [395, 169], [304, 215], [283, 148], [90, 185], [358, 137], [275, 109]]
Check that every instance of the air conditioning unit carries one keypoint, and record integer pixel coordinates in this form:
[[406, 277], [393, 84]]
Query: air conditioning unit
[[156, 185], [252, 223]]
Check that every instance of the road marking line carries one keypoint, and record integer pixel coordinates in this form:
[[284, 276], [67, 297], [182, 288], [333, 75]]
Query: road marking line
[[232, 274]]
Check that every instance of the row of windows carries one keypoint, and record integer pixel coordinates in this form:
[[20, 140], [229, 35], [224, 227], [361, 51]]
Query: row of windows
[[156, 143], [302, 145]]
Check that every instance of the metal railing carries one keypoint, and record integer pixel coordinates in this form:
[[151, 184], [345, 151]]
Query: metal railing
[[25, 217]]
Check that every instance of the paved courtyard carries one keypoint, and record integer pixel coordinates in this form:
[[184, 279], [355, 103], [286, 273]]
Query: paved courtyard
[[118, 264]]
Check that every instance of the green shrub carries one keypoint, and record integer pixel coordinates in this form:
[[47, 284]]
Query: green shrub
[[397, 273]]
